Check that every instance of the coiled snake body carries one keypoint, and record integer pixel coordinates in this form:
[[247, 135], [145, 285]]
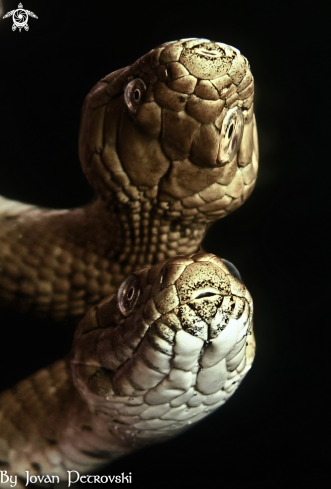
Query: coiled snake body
[[170, 145]]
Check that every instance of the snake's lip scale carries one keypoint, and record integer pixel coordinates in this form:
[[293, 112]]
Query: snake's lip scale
[[169, 145]]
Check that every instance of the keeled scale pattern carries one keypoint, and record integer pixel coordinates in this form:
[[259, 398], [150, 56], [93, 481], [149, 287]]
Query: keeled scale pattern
[[143, 378], [157, 174]]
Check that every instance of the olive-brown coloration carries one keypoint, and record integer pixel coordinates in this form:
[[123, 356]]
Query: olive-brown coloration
[[136, 374], [169, 145], [156, 171]]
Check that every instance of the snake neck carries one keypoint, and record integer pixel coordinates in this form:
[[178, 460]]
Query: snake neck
[[143, 234], [61, 262]]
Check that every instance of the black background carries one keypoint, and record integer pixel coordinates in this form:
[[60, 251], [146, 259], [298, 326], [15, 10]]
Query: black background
[[274, 431]]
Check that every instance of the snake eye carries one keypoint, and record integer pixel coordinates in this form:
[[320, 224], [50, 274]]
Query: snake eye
[[232, 269], [231, 134], [133, 94], [128, 294]]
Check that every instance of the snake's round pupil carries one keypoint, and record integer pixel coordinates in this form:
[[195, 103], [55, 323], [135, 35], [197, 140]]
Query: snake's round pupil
[[130, 293], [133, 94], [231, 134]]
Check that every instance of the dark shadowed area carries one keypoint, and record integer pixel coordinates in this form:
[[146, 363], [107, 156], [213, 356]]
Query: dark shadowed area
[[277, 422]]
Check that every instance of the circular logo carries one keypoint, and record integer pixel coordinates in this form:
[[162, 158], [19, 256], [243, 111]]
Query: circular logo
[[20, 18]]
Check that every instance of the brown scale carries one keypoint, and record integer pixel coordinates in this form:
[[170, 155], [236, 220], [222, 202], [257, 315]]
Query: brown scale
[[155, 172]]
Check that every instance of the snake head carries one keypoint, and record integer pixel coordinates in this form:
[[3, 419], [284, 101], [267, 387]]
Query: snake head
[[171, 346], [178, 127]]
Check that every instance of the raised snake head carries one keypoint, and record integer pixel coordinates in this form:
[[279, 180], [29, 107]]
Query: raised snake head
[[174, 131], [173, 345]]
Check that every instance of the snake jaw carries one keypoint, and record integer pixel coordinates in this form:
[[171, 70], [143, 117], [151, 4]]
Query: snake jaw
[[187, 357]]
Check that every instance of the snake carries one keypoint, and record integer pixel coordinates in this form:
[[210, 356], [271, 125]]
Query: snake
[[165, 331]]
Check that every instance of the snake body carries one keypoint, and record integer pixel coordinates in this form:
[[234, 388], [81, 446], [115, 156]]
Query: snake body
[[169, 145]]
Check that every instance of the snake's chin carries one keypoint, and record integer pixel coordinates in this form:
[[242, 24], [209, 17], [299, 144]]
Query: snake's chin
[[179, 354]]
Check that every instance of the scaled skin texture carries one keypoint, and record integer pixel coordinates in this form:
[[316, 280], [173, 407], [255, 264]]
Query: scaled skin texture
[[169, 145], [172, 346], [161, 145]]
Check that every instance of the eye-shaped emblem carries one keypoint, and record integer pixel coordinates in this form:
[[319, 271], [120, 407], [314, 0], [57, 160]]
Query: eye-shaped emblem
[[128, 295], [231, 134], [133, 94]]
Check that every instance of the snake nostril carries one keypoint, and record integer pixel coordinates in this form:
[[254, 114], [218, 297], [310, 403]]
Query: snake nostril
[[206, 52], [205, 294]]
